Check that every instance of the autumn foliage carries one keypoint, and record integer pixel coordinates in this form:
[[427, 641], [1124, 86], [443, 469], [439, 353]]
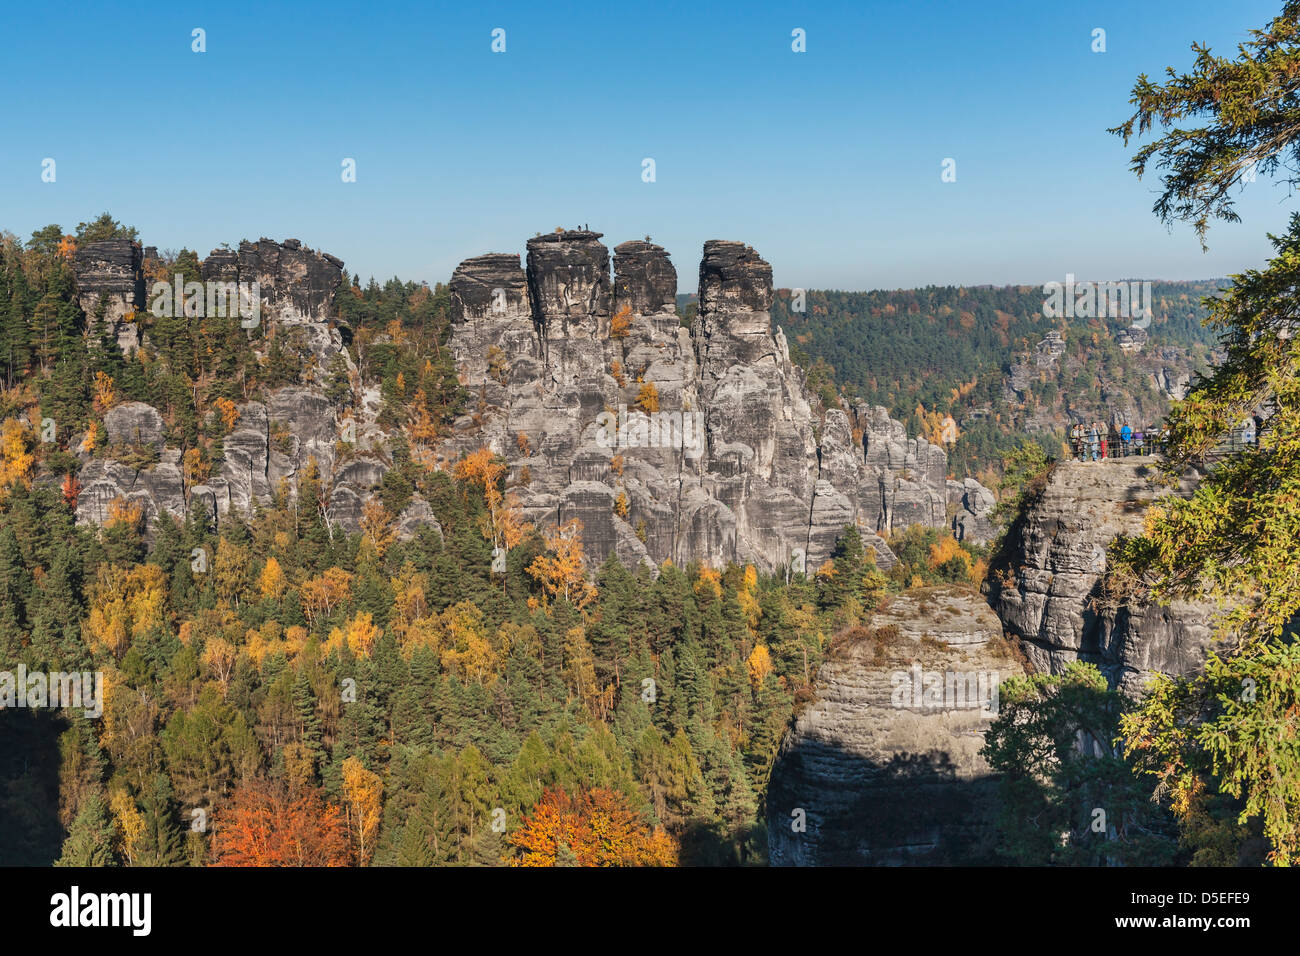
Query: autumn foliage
[[268, 826], [594, 828]]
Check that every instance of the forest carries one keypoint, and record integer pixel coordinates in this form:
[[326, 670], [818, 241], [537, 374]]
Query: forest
[[278, 692]]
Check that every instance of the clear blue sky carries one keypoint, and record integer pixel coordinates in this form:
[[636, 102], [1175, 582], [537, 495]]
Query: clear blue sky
[[828, 162]]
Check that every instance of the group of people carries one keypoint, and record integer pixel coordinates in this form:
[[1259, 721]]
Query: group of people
[[1094, 441]]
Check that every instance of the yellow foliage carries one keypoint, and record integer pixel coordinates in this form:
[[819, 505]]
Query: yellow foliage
[[363, 790], [272, 581], [376, 526], [760, 665], [229, 413], [945, 550], [620, 322], [16, 458], [360, 634], [709, 582], [562, 572], [648, 397], [467, 651], [130, 823], [124, 604], [105, 395]]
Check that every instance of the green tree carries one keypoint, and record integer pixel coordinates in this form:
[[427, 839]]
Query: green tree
[[90, 839], [1234, 537]]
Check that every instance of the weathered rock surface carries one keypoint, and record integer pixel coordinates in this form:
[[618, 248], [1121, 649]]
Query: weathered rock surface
[[272, 441], [725, 462], [883, 766], [111, 271], [1056, 561]]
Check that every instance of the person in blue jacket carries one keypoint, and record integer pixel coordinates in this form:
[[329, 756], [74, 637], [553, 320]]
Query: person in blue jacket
[[1125, 437]]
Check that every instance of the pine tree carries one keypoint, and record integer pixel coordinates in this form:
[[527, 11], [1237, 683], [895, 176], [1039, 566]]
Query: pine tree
[[90, 839]]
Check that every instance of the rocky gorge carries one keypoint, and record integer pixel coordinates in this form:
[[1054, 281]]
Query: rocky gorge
[[879, 781]]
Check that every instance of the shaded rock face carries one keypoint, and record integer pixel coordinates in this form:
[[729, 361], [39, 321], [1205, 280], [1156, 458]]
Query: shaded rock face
[[297, 284], [705, 436], [1055, 564], [112, 268], [882, 767]]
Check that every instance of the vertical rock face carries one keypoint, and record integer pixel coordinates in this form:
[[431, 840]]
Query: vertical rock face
[[297, 287], [297, 284], [111, 268], [1043, 588], [883, 766], [644, 278], [675, 443]]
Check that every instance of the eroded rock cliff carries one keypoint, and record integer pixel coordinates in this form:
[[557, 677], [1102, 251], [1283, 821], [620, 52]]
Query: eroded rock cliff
[[678, 443], [1044, 586], [665, 442], [883, 766]]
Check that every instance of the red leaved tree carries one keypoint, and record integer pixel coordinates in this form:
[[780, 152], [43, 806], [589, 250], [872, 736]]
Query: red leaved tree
[[267, 825]]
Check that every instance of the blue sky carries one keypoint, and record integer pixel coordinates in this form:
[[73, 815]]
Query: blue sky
[[828, 162]]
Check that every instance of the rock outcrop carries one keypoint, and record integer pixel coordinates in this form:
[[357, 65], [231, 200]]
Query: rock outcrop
[[1043, 588], [272, 440], [665, 442], [675, 443], [110, 272], [882, 767]]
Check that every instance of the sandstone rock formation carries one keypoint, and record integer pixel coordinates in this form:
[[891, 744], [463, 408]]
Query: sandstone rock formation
[[111, 271], [1053, 570], [714, 453], [666, 442], [272, 440], [883, 766]]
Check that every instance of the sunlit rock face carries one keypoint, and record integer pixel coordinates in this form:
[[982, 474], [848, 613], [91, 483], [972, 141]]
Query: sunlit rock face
[[1053, 572], [714, 452]]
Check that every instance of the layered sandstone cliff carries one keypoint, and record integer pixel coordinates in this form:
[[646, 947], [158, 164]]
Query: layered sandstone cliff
[[716, 453], [883, 766], [1045, 586], [665, 442]]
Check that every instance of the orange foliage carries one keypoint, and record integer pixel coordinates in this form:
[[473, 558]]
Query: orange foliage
[[648, 398], [229, 413], [123, 512], [597, 827], [105, 394], [71, 489], [481, 467], [268, 826], [620, 323]]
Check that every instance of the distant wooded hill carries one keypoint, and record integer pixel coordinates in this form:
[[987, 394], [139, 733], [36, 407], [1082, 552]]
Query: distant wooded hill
[[951, 349]]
